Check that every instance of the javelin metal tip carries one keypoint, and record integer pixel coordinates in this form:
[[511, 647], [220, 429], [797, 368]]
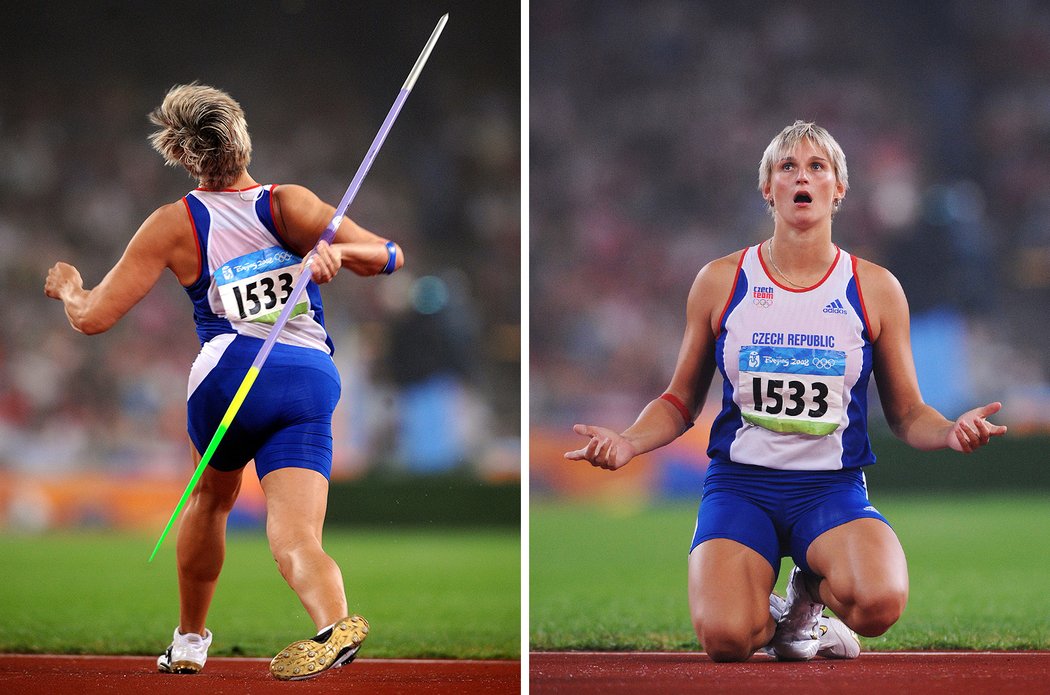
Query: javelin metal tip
[[422, 60]]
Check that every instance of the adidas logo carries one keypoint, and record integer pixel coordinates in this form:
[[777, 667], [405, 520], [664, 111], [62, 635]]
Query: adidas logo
[[835, 307]]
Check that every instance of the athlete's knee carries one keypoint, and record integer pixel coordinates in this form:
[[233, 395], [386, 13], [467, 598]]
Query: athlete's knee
[[872, 609], [290, 548], [727, 645], [213, 498], [876, 611], [727, 640]]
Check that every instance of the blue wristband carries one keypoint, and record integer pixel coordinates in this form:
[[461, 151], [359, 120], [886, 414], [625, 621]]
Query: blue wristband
[[391, 262]]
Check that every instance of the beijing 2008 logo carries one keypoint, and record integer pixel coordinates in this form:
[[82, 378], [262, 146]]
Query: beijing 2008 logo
[[762, 296]]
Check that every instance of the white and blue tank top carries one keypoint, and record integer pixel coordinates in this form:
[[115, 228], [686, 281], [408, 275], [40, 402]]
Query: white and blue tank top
[[795, 365], [248, 271]]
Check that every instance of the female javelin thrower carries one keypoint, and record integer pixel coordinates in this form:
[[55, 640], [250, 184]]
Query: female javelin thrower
[[237, 247], [796, 326]]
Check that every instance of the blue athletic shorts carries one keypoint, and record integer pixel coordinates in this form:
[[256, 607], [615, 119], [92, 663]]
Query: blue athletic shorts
[[286, 419], [778, 513]]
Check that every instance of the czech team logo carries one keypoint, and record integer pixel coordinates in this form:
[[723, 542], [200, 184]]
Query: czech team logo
[[763, 296]]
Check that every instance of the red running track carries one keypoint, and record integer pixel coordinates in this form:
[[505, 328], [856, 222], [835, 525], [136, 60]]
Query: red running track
[[86, 675], [874, 673], [583, 673]]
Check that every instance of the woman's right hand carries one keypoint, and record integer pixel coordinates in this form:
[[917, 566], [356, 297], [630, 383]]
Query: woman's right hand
[[606, 449], [324, 262]]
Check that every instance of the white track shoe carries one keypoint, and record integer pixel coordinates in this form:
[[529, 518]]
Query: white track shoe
[[187, 653], [836, 640], [797, 637]]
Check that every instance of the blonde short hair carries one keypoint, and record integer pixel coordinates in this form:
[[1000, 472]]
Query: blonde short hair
[[786, 140], [203, 130]]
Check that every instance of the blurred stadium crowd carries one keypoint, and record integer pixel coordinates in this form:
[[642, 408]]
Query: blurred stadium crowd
[[648, 121], [429, 357]]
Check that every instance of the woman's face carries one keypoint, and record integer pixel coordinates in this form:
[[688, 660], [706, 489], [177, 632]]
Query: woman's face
[[803, 186]]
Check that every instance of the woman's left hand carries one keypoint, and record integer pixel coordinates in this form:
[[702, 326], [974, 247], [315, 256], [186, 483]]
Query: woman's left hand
[[971, 431]]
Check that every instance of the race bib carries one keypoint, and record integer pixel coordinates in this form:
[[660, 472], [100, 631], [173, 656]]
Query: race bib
[[256, 286], [789, 389]]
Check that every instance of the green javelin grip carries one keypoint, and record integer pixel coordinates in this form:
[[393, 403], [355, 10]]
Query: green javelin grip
[[304, 279]]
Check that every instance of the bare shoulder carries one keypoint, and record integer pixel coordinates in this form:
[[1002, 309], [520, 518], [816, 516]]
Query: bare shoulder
[[884, 299], [717, 275], [877, 283], [293, 196], [300, 216], [719, 272], [713, 285], [167, 223], [166, 237], [170, 213]]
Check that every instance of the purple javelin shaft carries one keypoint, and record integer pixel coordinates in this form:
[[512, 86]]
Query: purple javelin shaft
[[329, 232], [351, 191]]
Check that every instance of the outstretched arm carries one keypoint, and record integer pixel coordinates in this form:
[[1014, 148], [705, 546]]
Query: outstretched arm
[[302, 216], [147, 255], [913, 421], [666, 418]]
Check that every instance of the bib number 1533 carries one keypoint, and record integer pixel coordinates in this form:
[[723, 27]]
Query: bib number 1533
[[787, 389], [256, 286], [792, 398], [264, 294]]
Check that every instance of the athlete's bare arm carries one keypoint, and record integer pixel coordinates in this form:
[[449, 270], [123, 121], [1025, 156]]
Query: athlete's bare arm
[[302, 216], [660, 422], [912, 420], [163, 241]]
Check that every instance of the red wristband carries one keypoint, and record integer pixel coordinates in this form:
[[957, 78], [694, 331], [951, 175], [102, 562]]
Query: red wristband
[[680, 407]]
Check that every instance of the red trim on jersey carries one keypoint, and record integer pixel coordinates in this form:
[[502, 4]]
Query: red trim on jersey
[[732, 288], [838, 252], [860, 296], [228, 190], [196, 239], [680, 406]]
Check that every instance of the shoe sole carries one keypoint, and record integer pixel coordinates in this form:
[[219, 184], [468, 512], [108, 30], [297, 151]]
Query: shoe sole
[[180, 667], [308, 658]]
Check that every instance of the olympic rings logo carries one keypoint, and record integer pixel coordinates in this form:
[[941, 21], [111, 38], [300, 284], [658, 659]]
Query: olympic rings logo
[[823, 363], [763, 302]]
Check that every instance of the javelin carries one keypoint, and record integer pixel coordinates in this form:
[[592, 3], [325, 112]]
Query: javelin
[[304, 277]]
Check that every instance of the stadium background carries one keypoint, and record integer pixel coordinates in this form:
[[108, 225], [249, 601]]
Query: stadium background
[[648, 121], [92, 428]]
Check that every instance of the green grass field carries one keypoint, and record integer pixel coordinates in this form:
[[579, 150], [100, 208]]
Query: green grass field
[[608, 579], [440, 593]]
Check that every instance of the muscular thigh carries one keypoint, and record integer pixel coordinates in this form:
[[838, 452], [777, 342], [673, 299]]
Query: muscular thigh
[[735, 554], [729, 584], [296, 502], [861, 555]]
